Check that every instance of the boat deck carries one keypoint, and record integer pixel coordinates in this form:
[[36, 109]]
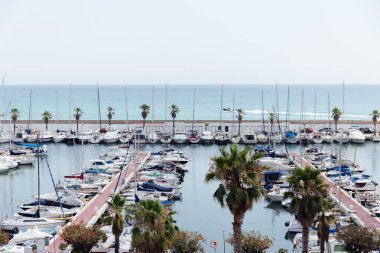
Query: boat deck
[[97, 205], [351, 206]]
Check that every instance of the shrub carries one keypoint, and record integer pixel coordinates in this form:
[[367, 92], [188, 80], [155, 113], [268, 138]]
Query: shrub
[[357, 239], [81, 238], [253, 242], [188, 242], [4, 238]]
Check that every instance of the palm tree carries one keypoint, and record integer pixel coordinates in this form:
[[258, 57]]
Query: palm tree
[[239, 117], [336, 113], [78, 113], [111, 112], [174, 109], [307, 193], [238, 175], [117, 204], [144, 112], [324, 222], [15, 113], [153, 230], [375, 114], [46, 116]]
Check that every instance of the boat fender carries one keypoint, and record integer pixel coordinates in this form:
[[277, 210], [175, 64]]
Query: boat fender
[[322, 164], [367, 194], [347, 183], [287, 223], [277, 191]]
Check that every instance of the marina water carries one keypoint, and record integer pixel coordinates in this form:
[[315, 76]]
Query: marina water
[[197, 210]]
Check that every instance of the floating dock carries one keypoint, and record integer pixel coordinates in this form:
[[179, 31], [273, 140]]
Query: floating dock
[[97, 205], [360, 215]]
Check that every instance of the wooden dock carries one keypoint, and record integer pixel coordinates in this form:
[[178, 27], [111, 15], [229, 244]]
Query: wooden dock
[[97, 205], [361, 215]]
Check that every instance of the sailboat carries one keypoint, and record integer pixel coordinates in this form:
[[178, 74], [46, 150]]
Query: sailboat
[[234, 138], [22, 223], [221, 137], [154, 136], [262, 136], [192, 134], [97, 137]]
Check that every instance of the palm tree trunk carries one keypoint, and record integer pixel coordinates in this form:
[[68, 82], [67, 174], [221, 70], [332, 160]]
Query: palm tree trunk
[[305, 239], [173, 125], [143, 123], [77, 126], [336, 126], [322, 246], [109, 122], [239, 129], [238, 237], [14, 128], [117, 243], [374, 127], [46, 126]]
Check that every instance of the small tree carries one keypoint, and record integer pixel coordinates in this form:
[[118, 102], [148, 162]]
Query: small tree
[[110, 113], [239, 116], [252, 242], [4, 238], [46, 116], [145, 109], [375, 115], [335, 114], [15, 114], [358, 239], [282, 250], [81, 238], [77, 114], [188, 242], [174, 109]]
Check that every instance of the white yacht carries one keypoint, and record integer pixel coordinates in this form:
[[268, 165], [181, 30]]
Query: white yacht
[[277, 195], [5, 137], [249, 137], [20, 136], [262, 137], [23, 223], [50, 212], [316, 138], [46, 136], [125, 136], [342, 137], [180, 137], [139, 136], [356, 136], [327, 137], [32, 136], [193, 136], [235, 138], [59, 137], [85, 136], [206, 137], [154, 137], [112, 135], [221, 137], [96, 138]]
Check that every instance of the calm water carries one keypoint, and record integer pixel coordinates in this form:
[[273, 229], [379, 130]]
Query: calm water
[[360, 100], [197, 210]]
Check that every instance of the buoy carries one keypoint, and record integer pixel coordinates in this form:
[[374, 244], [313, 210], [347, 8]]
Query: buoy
[[214, 244]]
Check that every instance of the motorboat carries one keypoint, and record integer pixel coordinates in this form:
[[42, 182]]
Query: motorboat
[[316, 138], [46, 136], [23, 223], [32, 136], [31, 234], [235, 138], [154, 137], [303, 137], [112, 135], [85, 136], [276, 138], [96, 138], [277, 195], [293, 227], [249, 137], [342, 137], [71, 138], [221, 137], [262, 137], [356, 136], [206, 137], [180, 137], [59, 137], [5, 137], [376, 138], [126, 136], [291, 137], [67, 198], [50, 212], [327, 137], [166, 138], [139, 136], [193, 136], [20, 136]]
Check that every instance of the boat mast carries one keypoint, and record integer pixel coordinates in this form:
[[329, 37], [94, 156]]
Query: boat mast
[[38, 174], [343, 115], [99, 114], [221, 107], [192, 127], [126, 105], [70, 109], [30, 108], [315, 108], [278, 110], [166, 101], [233, 111], [56, 118], [262, 109], [328, 113], [152, 107], [287, 111]]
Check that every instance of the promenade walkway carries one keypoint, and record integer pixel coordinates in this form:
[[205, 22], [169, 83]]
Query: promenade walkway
[[97, 205], [351, 206]]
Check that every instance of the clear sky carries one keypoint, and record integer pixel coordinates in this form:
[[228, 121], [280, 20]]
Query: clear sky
[[190, 41]]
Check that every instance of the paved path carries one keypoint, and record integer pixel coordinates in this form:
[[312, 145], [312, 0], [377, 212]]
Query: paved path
[[92, 208], [360, 214]]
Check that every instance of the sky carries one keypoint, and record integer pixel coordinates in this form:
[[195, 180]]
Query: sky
[[190, 41]]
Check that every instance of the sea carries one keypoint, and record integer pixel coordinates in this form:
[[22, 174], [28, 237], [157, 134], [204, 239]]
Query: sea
[[197, 210], [206, 101]]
